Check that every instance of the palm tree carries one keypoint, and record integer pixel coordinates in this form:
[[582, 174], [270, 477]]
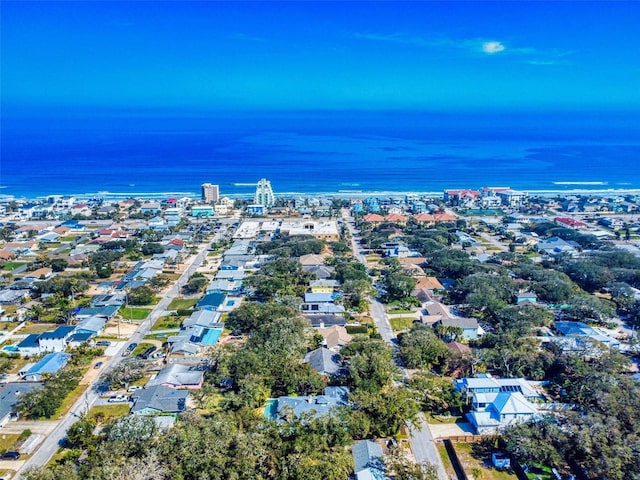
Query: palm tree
[[35, 312]]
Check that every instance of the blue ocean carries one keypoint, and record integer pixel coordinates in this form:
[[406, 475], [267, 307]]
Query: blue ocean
[[167, 153]]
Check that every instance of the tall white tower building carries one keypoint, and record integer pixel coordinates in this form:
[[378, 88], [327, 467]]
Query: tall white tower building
[[264, 194], [210, 193]]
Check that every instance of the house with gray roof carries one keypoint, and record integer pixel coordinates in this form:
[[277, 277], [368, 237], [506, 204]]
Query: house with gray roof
[[320, 271], [178, 377], [486, 383], [92, 325], [554, 246], [117, 299], [159, 400], [368, 460], [320, 320], [324, 361], [203, 318], [10, 393], [469, 326], [106, 311], [316, 406]]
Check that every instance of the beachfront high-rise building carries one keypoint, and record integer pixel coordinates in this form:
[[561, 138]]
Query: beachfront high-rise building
[[264, 194], [210, 193]]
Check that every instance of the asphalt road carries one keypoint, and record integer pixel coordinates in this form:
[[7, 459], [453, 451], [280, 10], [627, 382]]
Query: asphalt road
[[422, 444], [50, 445]]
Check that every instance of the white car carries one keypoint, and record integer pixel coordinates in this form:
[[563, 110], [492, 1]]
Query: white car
[[118, 398], [133, 388]]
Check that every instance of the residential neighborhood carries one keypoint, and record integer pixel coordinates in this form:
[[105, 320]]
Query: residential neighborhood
[[468, 314]]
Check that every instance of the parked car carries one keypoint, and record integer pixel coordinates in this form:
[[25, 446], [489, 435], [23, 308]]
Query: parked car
[[118, 398], [133, 388], [97, 365], [130, 348], [103, 343], [148, 352], [10, 455]]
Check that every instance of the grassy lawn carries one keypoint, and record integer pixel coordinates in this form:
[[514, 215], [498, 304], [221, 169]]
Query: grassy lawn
[[141, 348], [211, 403], [7, 440], [109, 412], [182, 303], [17, 364], [479, 466], [12, 265], [71, 399], [399, 324], [135, 313], [69, 238], [439, 419], [8, 325], [37, 328], [446, 461], [167, 322], [399, 311]]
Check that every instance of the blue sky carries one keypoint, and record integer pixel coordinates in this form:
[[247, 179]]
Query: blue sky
[[326, 55]]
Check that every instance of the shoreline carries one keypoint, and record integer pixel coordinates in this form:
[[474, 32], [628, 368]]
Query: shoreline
[[332, 194]]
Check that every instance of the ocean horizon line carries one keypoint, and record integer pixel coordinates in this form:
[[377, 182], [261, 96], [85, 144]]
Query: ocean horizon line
[[334, 194]]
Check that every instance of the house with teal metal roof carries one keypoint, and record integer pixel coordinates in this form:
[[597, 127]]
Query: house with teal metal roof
[[50, 364]]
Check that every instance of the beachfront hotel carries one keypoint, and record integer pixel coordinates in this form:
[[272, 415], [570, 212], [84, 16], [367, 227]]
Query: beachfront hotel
[[264, 194], [210, 193]]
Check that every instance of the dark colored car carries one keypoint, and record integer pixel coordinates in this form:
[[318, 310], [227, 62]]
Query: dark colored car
[[148, 352], [10, 456], [97, 365]]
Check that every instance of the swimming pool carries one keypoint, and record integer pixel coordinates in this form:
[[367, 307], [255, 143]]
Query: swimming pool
[[211, 336]]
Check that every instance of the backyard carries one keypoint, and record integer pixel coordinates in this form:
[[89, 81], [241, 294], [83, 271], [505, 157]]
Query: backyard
[[476, 462]]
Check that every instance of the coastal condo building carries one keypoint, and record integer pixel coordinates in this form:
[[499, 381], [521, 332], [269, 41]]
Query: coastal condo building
[[264, 194], [210, 193]]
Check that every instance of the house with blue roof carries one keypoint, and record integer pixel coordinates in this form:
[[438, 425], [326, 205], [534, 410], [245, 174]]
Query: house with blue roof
[[55, 340], [368, 460], [494, 411], [580, 330], [211, 301], [497, 402], [29, 345], [50, 364]]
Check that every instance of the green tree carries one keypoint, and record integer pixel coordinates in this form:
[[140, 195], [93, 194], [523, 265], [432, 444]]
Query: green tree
[[140, 296], [421, 348]]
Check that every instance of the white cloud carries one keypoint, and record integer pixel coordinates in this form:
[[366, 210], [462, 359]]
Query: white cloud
[[493, 47], [477, 46]]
